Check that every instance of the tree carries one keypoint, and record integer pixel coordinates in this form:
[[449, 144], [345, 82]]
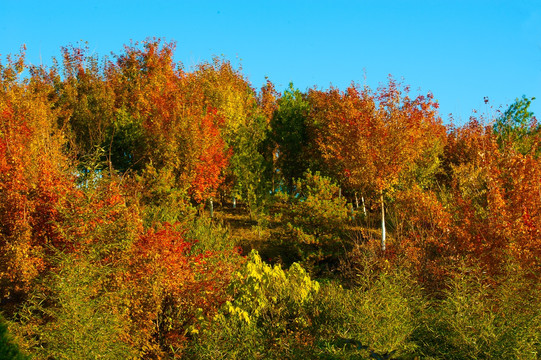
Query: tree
[[34, 177], [518, 129], [244, 128], [289, 133], [166, 121], [86, 100], [374, 137]]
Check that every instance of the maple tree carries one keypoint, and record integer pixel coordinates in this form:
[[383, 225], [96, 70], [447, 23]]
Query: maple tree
[[373, 137]]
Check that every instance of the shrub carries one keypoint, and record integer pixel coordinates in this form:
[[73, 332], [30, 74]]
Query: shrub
[[8, 350], [376, 318], [315, 219], [267, 318], [75, 314], [482, 319]]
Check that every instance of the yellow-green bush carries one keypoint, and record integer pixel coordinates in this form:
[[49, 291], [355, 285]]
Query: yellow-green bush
[[377, 318], [268, 318], [479, 318]]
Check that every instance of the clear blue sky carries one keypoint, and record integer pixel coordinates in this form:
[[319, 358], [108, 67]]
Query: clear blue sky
[[461, 51]]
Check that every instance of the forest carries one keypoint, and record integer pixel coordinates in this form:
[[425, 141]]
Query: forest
[[153, 212]]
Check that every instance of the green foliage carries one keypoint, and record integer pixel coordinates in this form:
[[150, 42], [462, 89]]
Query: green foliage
[[289, 132], [378, 316], [210, 236], [77, 314], [124, 141], [315, 218], [518, 128], [160, 198], [481, 319], [247, 165], [316, 207], [8, 350]]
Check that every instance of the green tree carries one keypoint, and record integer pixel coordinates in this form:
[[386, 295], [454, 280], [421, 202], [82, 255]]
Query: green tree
[[289, 132], [518, 129], [247, 164]]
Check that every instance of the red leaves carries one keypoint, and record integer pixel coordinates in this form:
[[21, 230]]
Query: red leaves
[[170, 285], [374, 135], [212, 160], [164, 249]]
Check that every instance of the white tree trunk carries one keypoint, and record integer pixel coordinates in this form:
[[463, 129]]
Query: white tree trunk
[[364, 207], [211, 209], [383, 243]]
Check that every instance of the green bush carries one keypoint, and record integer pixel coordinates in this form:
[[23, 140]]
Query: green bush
[[315, 219], [479, 318], [8, 350], [160, 198], [377, 319], [74, 315], [210, 235]]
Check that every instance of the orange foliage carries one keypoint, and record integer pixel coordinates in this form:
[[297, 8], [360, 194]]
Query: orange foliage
[[371, 138], [171, 286], [33, 179], [179, 128], [489, 212]]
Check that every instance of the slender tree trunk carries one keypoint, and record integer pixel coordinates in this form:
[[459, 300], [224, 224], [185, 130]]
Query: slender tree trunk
[[339, 192], [364, 207], [383, 243], [234, 202], [211, 209], [356, 201]]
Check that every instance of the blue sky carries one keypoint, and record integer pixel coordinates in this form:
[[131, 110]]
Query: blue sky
[[461, 51]]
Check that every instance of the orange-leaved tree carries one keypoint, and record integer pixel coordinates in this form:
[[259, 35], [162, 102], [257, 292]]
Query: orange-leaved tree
[[34, 175], [494, 193], [173, 286], [243, 128], [372, 138], [162, 112]]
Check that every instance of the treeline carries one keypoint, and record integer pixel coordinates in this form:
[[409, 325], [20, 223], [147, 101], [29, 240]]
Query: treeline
[[110, 167]]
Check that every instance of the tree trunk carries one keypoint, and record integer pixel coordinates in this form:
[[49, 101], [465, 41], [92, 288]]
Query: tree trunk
[[383, 243], [364, 207], [211, 209], [234, 202], [356, 201]]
